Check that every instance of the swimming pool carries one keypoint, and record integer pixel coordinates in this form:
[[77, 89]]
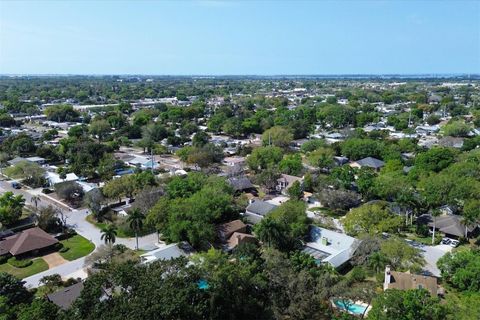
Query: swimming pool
[[353, 308], [202, 284]]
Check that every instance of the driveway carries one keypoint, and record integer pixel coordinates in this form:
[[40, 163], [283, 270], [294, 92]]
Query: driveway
[[54, 260], [431, 255]]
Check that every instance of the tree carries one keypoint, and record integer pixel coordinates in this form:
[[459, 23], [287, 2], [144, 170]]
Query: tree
[[39, 309], [120, 187], [264, 157], [371, 219], [70, 191], [35, 200], [61, 113], [461, 269], [321, 158], [271, 233], [401, 255], [356, 148], [407, 305], [471, 214], [278, 137], [135, 219], [100, 128], [13, 290], [295, 191], [109, 234], [31, 173], [339, 199], [11, 207], [291, 164], [51, 282], [48, 219], [457, 129], [94, 200]]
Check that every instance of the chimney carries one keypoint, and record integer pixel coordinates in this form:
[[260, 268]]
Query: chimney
[[388, 276]]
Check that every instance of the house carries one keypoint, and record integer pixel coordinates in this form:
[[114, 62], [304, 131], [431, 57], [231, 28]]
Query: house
[[257, 210], [241, 184], [26, 241], [408, 281], [169, 252], [331, 247], [38, 160], [238, 238], [225, 230], [233, 161], [65, 297], [53, 178], [286, 181], [450, 225], [451, 142], [368, 162]]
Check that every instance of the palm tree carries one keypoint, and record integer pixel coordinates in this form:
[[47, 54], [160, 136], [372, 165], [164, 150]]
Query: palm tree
[[109, 234], [270, 232], [377, 261], [470, 215], [36, 200], [135, 218]]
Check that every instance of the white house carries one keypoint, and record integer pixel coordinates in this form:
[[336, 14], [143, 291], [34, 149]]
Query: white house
[[328, 246], [169, 252]]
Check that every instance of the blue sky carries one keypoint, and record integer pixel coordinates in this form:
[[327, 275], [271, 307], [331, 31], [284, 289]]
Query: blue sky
[[246, 37]]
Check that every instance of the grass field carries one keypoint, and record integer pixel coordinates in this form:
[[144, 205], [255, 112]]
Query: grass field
[[37, 266], [78, 247]]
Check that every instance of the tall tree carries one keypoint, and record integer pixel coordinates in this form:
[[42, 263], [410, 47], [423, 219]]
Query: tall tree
[[109, 234], [135, 219]]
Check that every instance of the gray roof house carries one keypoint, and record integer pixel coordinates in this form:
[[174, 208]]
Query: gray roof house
[[257, 210], [331, 247], [169, 252], [369, 162], [450, 225], [65, 297]]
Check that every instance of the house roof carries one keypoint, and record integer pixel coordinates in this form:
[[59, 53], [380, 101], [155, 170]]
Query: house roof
[[171, 251], [238, 238], [371, 162], [330, 246], [289, 179], [241, 183], [260, 207], [26, 241], [407, 281], [228, 228], [65, 297], [448, 224]]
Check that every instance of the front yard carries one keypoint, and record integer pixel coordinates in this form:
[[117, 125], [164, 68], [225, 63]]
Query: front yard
[[37, 266], [77, 246]]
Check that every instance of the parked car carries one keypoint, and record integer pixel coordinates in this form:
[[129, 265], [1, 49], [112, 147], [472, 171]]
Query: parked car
[[16, 185], [446, 241], [454, 243]]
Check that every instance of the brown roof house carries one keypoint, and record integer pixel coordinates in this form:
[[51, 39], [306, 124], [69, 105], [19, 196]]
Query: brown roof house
[[286, 181], [233, 233], [408, 281], [26, 241]]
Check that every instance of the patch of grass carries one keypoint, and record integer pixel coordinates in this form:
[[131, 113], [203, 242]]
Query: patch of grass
[[37, 266], [78, 247], [99, 225]]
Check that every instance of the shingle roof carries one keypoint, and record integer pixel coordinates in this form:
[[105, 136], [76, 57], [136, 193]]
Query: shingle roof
[[26, 241], [238, 238], [65, 297], [227, 229], [371, 162], [261, 207], [406, 281], [448, 224], [241, 183]]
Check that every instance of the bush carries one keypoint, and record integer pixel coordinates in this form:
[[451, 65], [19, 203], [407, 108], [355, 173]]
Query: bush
[[3, 259], [64, 249], [47, 191], [22, 263], [358, 274], [421, 230]]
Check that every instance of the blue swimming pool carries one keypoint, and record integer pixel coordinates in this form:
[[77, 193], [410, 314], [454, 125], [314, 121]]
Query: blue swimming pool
[[352, 308], [203, 284]]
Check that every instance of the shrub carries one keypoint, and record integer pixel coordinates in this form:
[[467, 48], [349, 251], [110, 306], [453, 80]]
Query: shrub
[[47, 191], [22, 263], [64, 249], [3, 259]]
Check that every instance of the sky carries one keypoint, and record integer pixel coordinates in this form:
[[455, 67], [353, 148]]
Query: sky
[[239, 38]]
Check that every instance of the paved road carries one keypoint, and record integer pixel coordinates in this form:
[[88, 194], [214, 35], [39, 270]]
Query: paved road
[[77, 220]]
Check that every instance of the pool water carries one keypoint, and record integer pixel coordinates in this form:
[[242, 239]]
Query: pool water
[[352, 308], [203, 284]]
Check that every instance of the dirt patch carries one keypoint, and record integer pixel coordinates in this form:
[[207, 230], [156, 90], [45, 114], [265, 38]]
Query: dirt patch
[[54, 259]]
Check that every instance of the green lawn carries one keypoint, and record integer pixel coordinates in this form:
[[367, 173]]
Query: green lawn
[[78, 247], [37, 266]]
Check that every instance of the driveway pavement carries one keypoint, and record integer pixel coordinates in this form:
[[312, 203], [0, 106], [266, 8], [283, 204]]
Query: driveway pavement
[[431, 255]]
